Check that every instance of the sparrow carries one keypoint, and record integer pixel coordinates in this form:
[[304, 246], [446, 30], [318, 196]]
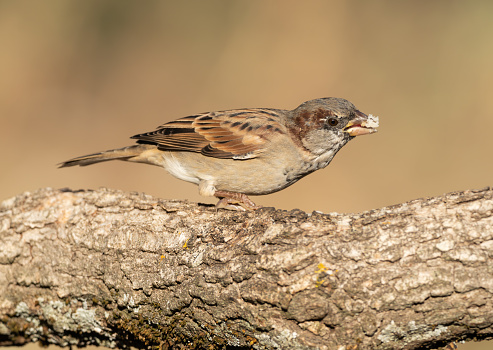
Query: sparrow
[[251, 151]]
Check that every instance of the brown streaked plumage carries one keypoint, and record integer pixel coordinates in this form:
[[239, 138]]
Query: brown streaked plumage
[[235, 134], [234, 153]]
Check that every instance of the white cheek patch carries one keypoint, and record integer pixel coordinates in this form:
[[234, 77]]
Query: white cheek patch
[[321, 141]]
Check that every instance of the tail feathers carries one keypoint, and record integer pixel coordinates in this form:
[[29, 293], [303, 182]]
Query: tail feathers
[[126, 153]]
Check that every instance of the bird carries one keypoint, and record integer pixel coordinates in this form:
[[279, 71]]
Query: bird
[[232, 154]]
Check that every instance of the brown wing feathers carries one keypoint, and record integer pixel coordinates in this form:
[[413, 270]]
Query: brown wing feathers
[[173, 139], [236, 134]]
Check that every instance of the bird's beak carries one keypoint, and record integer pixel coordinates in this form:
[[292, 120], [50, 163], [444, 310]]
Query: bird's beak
[[362, 124]]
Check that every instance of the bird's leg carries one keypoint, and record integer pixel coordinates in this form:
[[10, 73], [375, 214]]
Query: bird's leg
[[234, 201]]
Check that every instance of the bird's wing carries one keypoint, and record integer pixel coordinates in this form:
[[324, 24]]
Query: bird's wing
[[233, 134]]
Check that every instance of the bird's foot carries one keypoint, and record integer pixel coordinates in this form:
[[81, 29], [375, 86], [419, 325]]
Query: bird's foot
[[235, 201]]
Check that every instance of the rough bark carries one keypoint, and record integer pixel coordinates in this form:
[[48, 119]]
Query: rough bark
[[117, 269]]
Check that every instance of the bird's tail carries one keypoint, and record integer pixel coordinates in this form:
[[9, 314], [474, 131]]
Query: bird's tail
[[130, 153]]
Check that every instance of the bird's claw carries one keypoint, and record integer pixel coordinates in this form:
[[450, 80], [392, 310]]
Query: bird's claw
[[235, 201]]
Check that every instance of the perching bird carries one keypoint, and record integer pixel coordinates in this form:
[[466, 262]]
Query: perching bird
[[252, 151]]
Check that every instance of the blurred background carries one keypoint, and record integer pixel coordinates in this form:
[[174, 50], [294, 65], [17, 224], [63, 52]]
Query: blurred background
[[83, 76]]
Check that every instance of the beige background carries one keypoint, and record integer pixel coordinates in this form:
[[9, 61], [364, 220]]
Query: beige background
[[82, 76]]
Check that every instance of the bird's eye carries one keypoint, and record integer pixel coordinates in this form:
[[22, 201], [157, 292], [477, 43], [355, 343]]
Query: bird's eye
[[333, 121]]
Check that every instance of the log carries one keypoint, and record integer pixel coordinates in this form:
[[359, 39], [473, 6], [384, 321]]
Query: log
[[120, 269]]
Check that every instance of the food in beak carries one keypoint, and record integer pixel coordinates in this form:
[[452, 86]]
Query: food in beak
[[362, 125]]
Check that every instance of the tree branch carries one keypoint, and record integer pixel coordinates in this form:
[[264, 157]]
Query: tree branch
[[117, 269]]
